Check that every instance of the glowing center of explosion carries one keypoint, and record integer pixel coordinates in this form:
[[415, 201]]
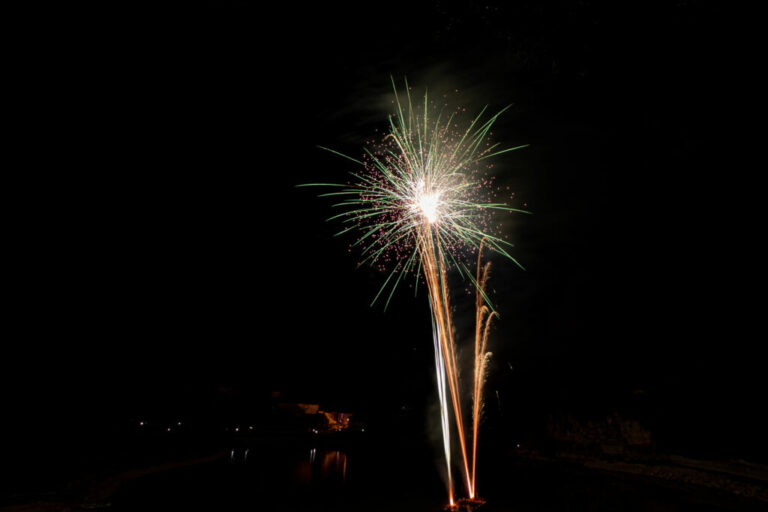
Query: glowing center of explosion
[[427, 204]]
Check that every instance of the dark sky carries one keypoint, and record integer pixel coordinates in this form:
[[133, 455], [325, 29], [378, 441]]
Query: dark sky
[[168, 253]]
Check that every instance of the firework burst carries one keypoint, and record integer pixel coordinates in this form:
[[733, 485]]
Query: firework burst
[[421, 203]]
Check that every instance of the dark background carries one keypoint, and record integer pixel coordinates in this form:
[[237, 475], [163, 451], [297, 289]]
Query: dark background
[[168, 260]]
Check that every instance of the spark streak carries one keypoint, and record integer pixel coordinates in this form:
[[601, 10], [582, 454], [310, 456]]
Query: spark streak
[[445, 420]]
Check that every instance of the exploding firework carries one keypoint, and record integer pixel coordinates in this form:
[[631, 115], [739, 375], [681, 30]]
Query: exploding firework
[[421, 204]]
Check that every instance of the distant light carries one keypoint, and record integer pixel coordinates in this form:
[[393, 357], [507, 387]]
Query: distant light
[[250, 428], [237, 429], [141, 423], [178, 423], [169, 429], [362, 430]]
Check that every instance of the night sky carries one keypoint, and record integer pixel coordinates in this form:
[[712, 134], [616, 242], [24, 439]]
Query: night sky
[[168, 256]]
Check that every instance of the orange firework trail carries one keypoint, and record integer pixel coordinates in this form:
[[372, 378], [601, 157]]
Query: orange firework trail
[[420, 201], [434, 270], [483, 317]]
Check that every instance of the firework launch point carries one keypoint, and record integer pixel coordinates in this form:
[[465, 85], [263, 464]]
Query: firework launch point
[[466, 505]]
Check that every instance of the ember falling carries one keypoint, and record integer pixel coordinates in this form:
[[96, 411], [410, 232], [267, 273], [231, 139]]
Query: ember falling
[[421, 204]]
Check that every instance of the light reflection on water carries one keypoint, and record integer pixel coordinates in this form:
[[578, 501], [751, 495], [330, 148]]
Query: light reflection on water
[[319, 466], [322, 466]]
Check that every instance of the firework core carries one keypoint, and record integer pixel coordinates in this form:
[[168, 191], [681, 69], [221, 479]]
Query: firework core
[[427, 203]]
